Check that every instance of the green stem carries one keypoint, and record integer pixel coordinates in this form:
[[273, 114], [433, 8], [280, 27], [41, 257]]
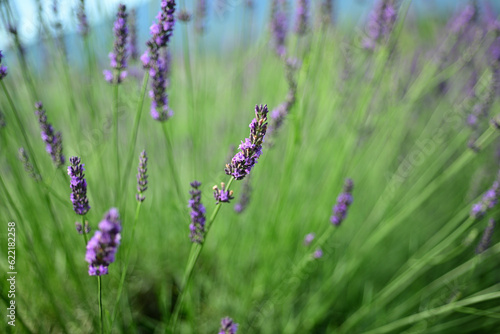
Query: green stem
[[99, 301], [85, 238], [115, 131], [192, 260], [127, 260], [171, 163], [133, 140]]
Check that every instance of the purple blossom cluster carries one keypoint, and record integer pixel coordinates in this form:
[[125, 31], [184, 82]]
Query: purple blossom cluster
[[118, 57], [227, 326], [78, 186], [344, 200], [250, 149], [302, 17], [489, 200], [380, 23], [3, 69], [222, 195], [462, 22], [160, 109], [52, 139], [485, 242], [197, 226], [102, 247], [142, 177], [279, 26], [83, 24]]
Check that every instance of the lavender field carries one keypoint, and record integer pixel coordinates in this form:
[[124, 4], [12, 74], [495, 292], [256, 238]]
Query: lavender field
[[250, 167]]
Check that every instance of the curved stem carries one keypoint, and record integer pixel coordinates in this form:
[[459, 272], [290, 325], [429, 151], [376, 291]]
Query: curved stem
[[193, 258], [99, 301]]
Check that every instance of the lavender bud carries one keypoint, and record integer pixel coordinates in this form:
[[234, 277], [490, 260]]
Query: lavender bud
[[250, 149], [78, 186], [142, 177], [318, 253], [279, 26], [197, 226], [83, 24], [200, 15], [222, 195], [245, 197], [52, 139], [3, 69], [344, 200], [79, 227], [489, 200], [118, 57], [102, 247], [28, 167], [302, 17], [309, 238], [486, 238], [227, 326]]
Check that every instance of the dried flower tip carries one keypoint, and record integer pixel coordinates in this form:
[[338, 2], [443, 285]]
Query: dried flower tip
[[222, 195]]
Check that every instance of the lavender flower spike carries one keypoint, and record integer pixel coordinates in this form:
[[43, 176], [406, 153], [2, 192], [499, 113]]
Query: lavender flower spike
[[222, 195], [160, 109], [78, 186], [52, 139], [102, 247], [197, 226], [489, 200], [83, 24], [380, 23], [302, 17], [279, 26], [343, 202], [142, 177], [3, 69], [132, 38], [227, 326], [250, 149], [118, 57], [486, 238]]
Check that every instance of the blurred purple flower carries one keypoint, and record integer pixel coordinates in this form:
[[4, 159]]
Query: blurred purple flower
[[118, 58], [318, 253], [484, 244], [344, 200], [302, 17], [52, 139], [3, 69], [197, 226], [309, 238], [83, 24], [78, 186], [279, 26], [489, 200], [380, 23], [227, 326]]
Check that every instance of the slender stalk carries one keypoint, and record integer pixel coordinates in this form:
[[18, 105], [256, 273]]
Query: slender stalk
[[192, 260], [171, 163], [133, 139], [99, 301], [115, 136], [85, 238], [127, 260]]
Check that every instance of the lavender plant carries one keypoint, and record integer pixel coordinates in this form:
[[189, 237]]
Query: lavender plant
[[52, 139], [118, 57], [78, 186]]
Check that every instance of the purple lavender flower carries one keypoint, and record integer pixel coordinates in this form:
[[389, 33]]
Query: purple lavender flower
[[3, 69], [118, 57], [318, 253], [489, 200], [160, 109], [343, 202], [464, 19], [102, 247], [83, 24], [250, 149], [309, 238], [197, 226], [380, 23], [245, 196], [227, 326], [222, 195], [142, 177], [200, 15], [78, 186], [80, 229], [52, 139], [279, 26], [302, 17], [132, 38], [484, 244], [28, 167]]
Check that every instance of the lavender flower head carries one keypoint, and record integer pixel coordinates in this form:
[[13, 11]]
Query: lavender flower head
[[380, 23], [132, 38], [160, 109], [52, 139], [142, 177], [222, 195], [227, 326], [197, 226], [200, 15], [250, 149], [309, 238], [302, 17], [343, 202], [118, 57], [489, 200], [464, 19], [484, 244], [28, 167], [3, 69], [78, 186], [83, 24], [279, 26], [102, 247]]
